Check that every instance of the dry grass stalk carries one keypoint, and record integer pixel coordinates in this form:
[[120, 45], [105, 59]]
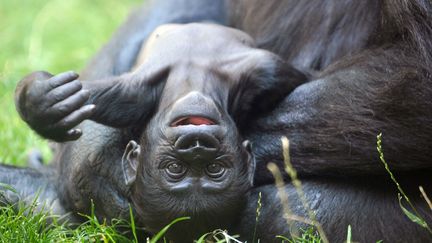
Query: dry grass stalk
[[425, 197], [289, 169]]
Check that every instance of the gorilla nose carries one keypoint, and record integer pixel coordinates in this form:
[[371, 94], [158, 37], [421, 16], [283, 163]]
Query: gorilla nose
[[196, 140], [196, 125], [196, 146]]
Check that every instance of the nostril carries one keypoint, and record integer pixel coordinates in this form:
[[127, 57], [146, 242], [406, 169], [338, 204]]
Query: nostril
[[200, 140], [210, 142], [187, 144]]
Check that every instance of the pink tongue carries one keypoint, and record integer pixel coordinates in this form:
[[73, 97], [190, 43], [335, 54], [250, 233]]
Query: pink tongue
[[193, 120]]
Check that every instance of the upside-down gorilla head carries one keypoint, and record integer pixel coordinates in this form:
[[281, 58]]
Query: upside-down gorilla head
[[192, 163], [192, 160]]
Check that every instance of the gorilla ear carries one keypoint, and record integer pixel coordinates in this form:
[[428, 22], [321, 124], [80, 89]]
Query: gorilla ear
[[130, 162], [250, 161]]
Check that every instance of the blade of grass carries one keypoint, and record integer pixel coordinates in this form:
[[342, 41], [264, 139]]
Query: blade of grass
[[289, 169], [425, 196], [132, 224], [258, 213], [349, 236], [203, 237], [283, 197], [165, 229], [8, 187], [415, 217]]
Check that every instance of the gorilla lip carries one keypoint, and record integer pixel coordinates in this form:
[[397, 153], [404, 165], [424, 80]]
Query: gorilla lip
[[192, 120]]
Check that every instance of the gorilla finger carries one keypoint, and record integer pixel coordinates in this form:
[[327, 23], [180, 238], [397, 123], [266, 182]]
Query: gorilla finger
[[73, 134], [62, 92], [64, 136], [66, 101], [62, 78], [75, 118], [67, 106]]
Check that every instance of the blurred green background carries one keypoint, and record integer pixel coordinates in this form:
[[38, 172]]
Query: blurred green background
[[51, 35]]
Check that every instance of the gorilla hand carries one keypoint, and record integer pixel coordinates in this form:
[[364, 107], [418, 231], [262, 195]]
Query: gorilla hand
[[53, 105]]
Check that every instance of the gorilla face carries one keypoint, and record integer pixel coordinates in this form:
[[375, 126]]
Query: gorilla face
[[191, 162]]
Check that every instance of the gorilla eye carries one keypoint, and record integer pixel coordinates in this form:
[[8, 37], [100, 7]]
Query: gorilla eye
[[215, 170], [175, 170]]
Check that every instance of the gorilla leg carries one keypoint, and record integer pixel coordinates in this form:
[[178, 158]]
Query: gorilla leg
[[372, 209], [27, 184]]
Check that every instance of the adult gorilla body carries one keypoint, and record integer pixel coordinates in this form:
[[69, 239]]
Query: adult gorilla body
[[372, 74]]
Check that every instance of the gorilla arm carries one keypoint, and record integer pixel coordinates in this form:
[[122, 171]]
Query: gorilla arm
[[113, 60], [53, 105], [332, 122]]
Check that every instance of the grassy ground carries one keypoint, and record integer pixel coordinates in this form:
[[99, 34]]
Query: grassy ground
[[56, 36], [52, 35]]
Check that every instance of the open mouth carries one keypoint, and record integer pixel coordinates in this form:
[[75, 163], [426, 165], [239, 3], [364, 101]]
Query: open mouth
[[192, 120]]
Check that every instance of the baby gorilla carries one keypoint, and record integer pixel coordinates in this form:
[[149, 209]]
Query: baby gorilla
[[191, 161], [181, 112]]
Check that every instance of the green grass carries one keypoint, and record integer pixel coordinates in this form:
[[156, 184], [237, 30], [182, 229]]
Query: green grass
[[25, 226], [55, 36]]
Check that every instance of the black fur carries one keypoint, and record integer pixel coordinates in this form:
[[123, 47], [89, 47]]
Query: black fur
[[379, 84], [372, 73]]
